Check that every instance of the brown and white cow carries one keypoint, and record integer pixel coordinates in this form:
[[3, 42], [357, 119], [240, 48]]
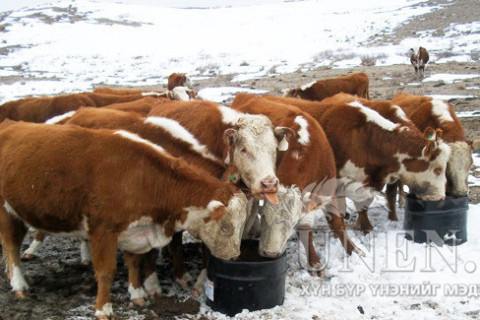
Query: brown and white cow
[[178, 80], [375, 151], [428, 112], [113, 188], [41, 109], [355, 83], [419, 58], [308, 163], [180, 93]]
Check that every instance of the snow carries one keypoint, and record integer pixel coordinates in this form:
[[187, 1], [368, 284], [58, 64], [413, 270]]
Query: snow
[[132, 44], [139, 43]]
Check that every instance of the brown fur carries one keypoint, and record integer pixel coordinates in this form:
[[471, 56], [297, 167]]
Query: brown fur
[[316, 162], [56, 176], [355, 83], [176, 80]]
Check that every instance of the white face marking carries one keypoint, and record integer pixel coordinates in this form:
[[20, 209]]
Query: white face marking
[[458, 168], [34, 247], [18, 282], [138, 293], [303, 135], [180, 93], [278, 221], [374, 117], [196, 215], [107, 310], [141, 236], [136, 138], [441, 111], [307, 86], [229, 115], [61, 117], [152, 284], [179, 132]]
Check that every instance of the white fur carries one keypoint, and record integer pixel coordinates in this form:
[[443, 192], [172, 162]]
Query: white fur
[[136, 138], [138, 293], [374, 117], [85, 252], [179, 132], [400, 113], [350, 170], [303, 135], [141, 236], [229, 115], [458, 167], [179, 93], [441, 111], [152, 285], [106, 311], [10, 210], [196, 214], [59, 118], [307, 86], [34, 247], [18, 282]]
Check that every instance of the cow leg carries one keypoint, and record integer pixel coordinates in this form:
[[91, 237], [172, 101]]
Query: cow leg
[[151, 283], [137, 294], [182, 277], [363, 223], [391, 194], [85, 255], [401, 195], [199, 286], [29, 254], [312, 262], [104, 249], [12, 232]]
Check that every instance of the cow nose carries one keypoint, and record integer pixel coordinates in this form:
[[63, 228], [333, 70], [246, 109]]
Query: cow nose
[[269, 184], [269, 254]]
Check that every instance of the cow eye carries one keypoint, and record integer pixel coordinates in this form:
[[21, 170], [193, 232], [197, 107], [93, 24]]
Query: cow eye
[[243, 150], [226, 229]]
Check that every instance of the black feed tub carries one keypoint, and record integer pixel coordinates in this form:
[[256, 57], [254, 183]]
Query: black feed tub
[[251, 282], [441, 222]]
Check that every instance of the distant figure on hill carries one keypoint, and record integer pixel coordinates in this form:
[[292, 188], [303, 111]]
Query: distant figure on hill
[[419, 58]]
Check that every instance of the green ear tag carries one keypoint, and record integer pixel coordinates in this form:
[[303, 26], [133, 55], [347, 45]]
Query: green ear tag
[[232, 177], [430, 137]]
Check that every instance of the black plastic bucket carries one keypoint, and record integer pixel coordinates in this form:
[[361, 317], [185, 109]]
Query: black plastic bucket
[[441, 222], [251, 282]]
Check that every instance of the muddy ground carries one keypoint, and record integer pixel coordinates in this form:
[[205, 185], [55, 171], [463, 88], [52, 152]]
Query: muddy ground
[[63, 288]]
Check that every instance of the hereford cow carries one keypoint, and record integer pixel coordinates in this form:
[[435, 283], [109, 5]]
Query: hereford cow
[[41, 109], [375, 151], [355, 83], [180, 93], [428, 112], [419, 58], [308, 162], [178, 80], [113, 188]]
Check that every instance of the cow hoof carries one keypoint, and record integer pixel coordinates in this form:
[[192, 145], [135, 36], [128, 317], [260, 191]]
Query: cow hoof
[[365, 228], [392, 217], [20, 294], [87, 263], [28, 257], [154, 294], [359, 252], [139, 302], [105, 317]]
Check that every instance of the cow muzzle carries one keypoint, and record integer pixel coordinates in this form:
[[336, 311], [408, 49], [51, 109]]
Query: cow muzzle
[[269, 188]]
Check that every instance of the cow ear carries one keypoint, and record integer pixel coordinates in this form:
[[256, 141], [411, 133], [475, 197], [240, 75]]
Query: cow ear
[[439, 134], [230, 136], [218, 213], [430, 134], [428, 150], [283, 135]]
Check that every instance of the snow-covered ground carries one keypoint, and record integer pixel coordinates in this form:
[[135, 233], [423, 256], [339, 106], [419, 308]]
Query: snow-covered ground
[[109, 43], [71, 46]]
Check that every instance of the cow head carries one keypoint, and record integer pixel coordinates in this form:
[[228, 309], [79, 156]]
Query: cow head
[[425, 175], [253, 144], [290, 93], [223, 227], [277, 222], [458, 168]]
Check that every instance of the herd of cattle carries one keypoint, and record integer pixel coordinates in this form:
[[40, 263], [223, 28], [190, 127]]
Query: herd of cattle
[[131, 170]]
